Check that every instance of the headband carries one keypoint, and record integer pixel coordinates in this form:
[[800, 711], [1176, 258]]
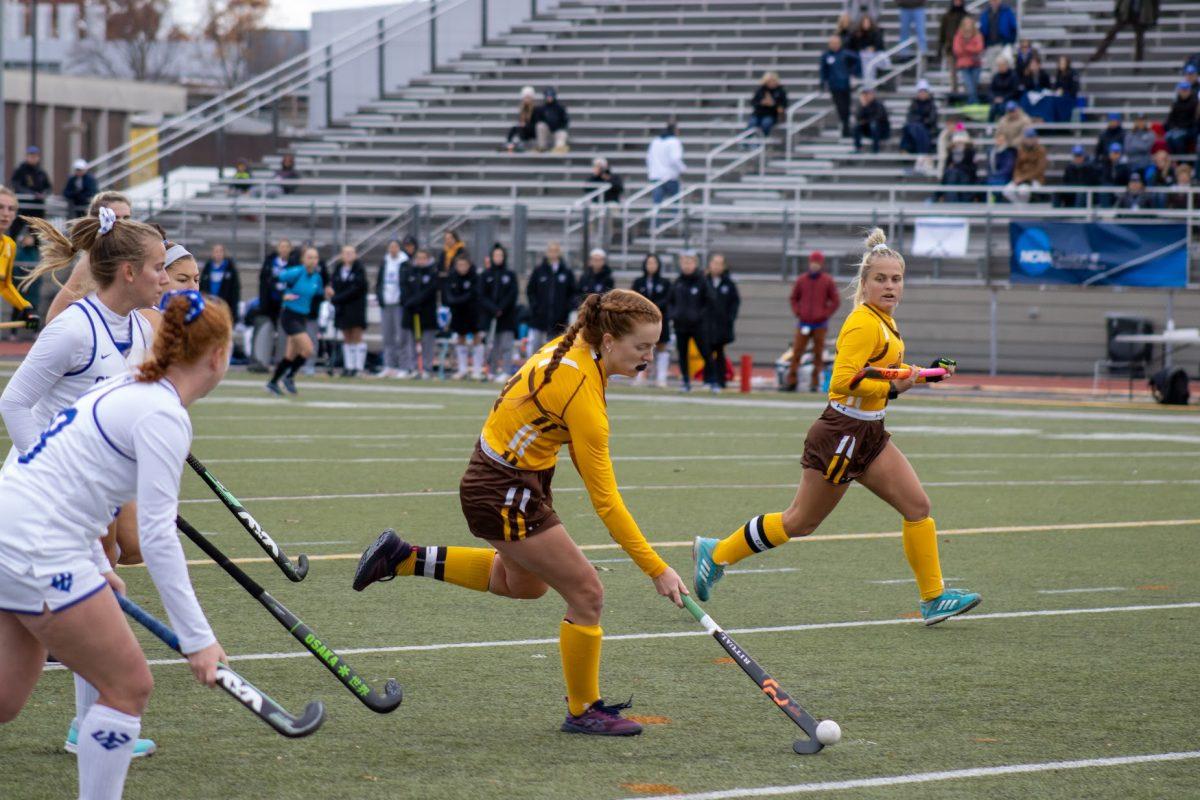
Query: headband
[[108, 218], [195, 303], [174, 253]]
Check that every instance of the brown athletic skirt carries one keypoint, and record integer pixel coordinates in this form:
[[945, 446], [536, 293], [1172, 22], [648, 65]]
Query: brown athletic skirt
[[842, 447], [502, 503]]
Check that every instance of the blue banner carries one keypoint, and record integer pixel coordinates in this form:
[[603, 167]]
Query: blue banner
[[1098, 254]]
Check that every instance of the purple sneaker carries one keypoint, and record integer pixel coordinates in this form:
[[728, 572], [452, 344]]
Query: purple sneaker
[[602, 720], [379, 561]]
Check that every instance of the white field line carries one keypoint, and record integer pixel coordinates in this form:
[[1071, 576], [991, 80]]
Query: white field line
[[760, 570], [289, 498], [812, 626], [1083, 591], [896, 581], [929, 777], [808, 540]]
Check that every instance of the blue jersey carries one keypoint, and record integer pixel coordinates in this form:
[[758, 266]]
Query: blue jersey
[[297, 281]]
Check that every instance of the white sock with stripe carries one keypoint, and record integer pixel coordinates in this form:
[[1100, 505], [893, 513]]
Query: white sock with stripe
[[106, 741]]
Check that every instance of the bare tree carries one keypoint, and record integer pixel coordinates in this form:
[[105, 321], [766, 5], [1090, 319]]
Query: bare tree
[[231, 25], [136, 45]]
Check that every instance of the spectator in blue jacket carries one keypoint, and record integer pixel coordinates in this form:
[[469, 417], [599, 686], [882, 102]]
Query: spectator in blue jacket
[[920, 123], [1002, 160], [80, 188], [998, 25], [838, 67]]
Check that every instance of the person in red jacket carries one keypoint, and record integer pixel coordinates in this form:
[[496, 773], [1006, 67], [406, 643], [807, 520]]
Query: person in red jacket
[[814, 301]]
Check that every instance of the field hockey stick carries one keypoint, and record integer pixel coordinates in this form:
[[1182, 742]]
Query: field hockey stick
[[769, 685], [295, 573], [235, 685], [886, 374], [381, 703], [20, 323], [420, 349]]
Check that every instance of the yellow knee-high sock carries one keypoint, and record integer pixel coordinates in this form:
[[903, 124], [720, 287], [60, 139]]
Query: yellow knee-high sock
[[580, 648], [920, 548], [470, 567], [759, 534]]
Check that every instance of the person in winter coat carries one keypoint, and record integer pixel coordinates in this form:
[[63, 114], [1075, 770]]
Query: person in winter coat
[[1066, 79], [1160, 176], [960, 169], [348, 293], [998, 24], [498, 312], [657, 289], [1113, 133], [1080, 171], [1141, 15], [947, 30], [524, 132], [1030, 170], [1177, 200], [80, 188], [1181, 121], [1025, 53], [1005, 88], [1112, 171], [551, 291], [1002, 161], [839, 65], [871, 120], [768, 105], [270, 290], [452, 248], [722, 321], [550, 123], [866, 36], [664, 163], [387, 293], [1136, 197], [967, 47], [1014, 123], [597, 276], [814, 301], [32, 185], [460, 291], [601, 174], [418, 326], [1034, 78], [220, 277], [691, 305], [920, 123], [1138, 144]]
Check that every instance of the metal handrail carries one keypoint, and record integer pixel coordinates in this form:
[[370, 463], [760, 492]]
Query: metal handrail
[[788, 131], [626, 223], [365, 243], [588, 198]]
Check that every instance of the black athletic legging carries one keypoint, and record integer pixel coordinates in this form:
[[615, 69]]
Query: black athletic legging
[[682, 337]]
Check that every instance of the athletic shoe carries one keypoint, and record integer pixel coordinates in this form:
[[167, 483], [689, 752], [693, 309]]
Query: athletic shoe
[[273, 388], [379, 561], [602, 720], [290, 384], [707, 571], [949, 603], [144, 748]]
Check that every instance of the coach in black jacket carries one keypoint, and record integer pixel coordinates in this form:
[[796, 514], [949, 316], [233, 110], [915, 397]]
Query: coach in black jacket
[[498, 305], [597, 277], [726, 302], [347, 291], [419, 296], [691, 306], [551, 292], [657, 289]]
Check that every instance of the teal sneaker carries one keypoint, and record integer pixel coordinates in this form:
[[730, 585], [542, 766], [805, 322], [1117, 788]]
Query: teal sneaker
[[949, 603], [143, 749], [708, 572]]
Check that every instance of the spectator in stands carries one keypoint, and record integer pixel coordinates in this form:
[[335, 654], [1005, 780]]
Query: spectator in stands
[[1029, 173], [691, 306], [854, 10], [80, 188], [1014, 123], [524, 132], [550, 123], [409, 245], [1080, 171], [872, 60], [1178, 200], [1135, 197], [998, 24], [664, 163], [960, 169], [242, 179], [769, 103], [1114, 172], [838, 66], [967, 48], [597, 277], [452, 248], [418, 328], [348, 293], [1034, 78], [391, 313], [1138, 144], [844, 30], [1190, 75], [1181, 121], [1006, 89], [947, 30], [1066, 79], [550, 291], [32, 185], [1002, 160], [655, 287], [286, 173], [1159, 177], [814, 300], [1141, 15], [912, 22], [498, 311], [920, 123], [220, 277], [722, 320], [1112, 133], [1025, 53], [953, 124], [866, 34], [871, 120], [460, 291], [602, 173]]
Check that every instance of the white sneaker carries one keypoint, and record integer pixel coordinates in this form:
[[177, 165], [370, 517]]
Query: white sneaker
[[400, 373]]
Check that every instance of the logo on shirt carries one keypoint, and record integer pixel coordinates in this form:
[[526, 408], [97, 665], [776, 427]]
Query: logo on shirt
[[62, 581]]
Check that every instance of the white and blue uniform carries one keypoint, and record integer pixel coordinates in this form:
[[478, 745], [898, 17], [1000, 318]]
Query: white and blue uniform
[[54, 509]]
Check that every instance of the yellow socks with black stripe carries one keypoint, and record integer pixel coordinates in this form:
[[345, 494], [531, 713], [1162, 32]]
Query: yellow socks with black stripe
[[920, 548], [469, 567], [759, 534], [580, 648]]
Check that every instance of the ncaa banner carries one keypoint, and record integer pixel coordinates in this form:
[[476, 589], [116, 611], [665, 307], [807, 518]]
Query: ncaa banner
[[1098, 254]]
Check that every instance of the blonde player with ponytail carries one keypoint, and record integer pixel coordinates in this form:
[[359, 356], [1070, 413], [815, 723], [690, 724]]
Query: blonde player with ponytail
[[848, 443], [557, 398]]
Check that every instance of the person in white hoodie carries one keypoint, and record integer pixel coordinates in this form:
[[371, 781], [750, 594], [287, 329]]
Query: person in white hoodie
[[387, 292], [664, 162]]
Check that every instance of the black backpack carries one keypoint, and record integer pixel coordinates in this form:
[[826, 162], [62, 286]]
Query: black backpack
[[1170, 386]]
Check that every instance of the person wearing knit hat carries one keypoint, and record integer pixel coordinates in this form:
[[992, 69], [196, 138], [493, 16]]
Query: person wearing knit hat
[[814, 300]]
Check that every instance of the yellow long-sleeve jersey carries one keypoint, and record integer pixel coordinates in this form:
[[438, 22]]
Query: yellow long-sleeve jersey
[[8, 254], [527, 431], [868, 338]]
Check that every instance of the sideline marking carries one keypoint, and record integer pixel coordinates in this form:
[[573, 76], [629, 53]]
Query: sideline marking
[[929, 777], [1083, 591]]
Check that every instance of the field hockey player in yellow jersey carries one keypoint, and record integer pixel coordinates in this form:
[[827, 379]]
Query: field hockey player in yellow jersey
[[556, 399], [848, 443], [8, 254]]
